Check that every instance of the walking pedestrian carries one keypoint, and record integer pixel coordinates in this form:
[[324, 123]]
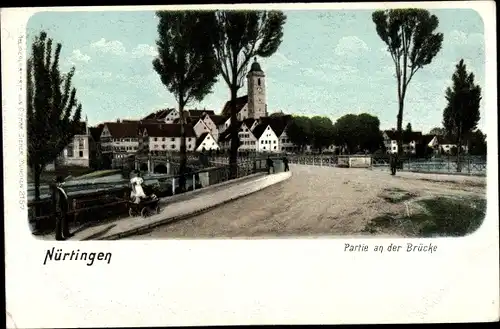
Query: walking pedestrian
[[393, 162], [285, 162], [270, 164], [60, 209]]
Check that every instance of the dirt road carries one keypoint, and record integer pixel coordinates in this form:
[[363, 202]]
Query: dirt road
[[318, 201]]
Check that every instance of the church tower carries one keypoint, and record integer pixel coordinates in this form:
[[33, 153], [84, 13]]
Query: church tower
[[256, 84]]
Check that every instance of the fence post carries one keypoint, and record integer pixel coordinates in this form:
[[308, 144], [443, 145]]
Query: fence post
[[321, 161], [173, 185], [74, 211], [194, 182]]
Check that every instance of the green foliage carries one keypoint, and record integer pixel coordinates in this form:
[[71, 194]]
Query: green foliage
[[322, 134], [461, 114], [477, 143], [186, 61], [412, 43], [53, 112], [358, 132], [238, 36], [438, 131], [299, 131]]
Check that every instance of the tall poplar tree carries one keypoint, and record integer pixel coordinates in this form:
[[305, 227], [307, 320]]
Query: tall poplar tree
[[461, 114], [53, 112], [186, 62], [412, 43], [238, 37]]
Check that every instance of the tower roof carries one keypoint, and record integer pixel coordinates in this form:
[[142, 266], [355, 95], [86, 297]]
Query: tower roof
[[255, 66]]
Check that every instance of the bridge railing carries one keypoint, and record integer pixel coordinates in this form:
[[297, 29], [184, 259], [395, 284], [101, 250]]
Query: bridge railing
[[98, 205]]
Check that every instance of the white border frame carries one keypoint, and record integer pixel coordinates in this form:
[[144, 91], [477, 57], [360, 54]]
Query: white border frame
[[288, 281]]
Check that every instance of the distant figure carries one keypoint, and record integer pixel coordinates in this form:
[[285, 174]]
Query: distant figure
[[285, 162], [393, 163], [60, 209], [270, 164]]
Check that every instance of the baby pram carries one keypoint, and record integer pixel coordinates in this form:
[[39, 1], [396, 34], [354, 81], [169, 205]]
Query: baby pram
[[139, 203]]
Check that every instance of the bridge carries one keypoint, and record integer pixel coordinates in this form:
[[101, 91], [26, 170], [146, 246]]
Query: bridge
[[323, 201]]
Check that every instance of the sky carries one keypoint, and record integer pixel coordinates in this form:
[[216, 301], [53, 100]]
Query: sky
[[330, 63]]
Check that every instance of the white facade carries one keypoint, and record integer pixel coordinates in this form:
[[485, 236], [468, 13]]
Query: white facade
[[212, 127], [208, 143], [268, 141], [200, 128], [173, 115], [170, 144], [248, 140], [284, 143], [77, 153]]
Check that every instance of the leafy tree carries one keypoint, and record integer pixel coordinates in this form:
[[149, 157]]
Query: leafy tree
[[409, 128], [53, 112], [437, 131], [277, 114], [358, 132], [238, 36], [461, 114], [299, 131], [477, 143], [186, 63], [412, 43], [321, 132]]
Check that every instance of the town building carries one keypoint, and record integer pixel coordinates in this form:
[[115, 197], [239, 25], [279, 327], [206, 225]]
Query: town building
[[81, 151]]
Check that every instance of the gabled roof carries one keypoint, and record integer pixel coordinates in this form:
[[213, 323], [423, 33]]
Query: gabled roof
[[200, 140], [408, 136], [122, 130], [167, 130], [218, 119], [96, 132], [240, 103], [81, 128], [259, 130], [199, 113], [444, 140], [158, 115], [426, 139], [249, 122], [277, 123]]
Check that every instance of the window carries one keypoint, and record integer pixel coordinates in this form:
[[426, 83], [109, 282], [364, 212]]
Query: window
[[258, 81], [81, 143], [81, 154], [189, 146], [275, 147], [163, 139], [155, 139], [173, 139], [262, 142], [70, 151], [172, 146], [189, 139], [163, 146], [274, 142]]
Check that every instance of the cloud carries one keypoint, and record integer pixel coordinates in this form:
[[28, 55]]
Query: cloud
[[78, 56], [114, 47], [144, 50], [350, 46], [277, 60], [461, 38]]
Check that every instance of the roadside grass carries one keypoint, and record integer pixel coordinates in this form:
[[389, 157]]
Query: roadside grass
[[440, 216], [397, 195]]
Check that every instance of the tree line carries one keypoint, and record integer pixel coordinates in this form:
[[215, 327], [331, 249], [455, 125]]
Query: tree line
[[351, 133]]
